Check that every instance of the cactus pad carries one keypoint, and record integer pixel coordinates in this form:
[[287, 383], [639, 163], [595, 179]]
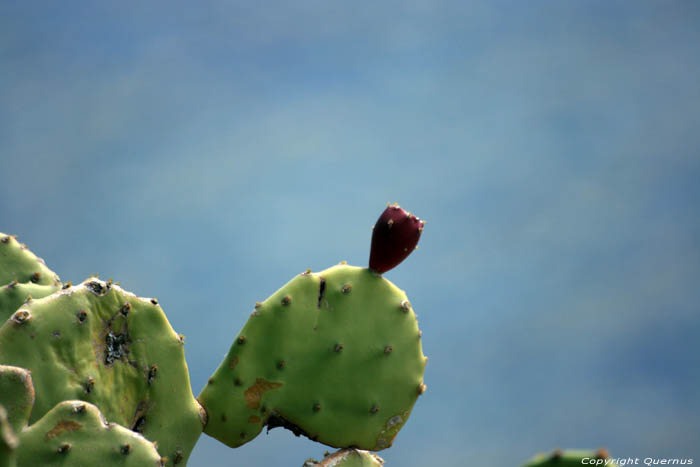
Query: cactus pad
[[98, 343], [348, 458], [19, 264], [16, 395], [14, 294], [335, 356], [75, 433], [559, 458]]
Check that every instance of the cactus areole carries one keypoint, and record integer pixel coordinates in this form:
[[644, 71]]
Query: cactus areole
[[394, 237]]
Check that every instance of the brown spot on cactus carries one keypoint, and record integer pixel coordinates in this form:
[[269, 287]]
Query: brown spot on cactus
[[35, 277], [154, 301], [281, 364], [374, 409], [241, 340], [62, 426], [421, 389], [89, 384], [233, 361], [67, 285], [394, 237], [338, 347], [317, 406], [125, 309], [254, 394], [388, 349], [347, 288], [21, 316], [405, 306], [286, 300], [254, 419], [125, 449]]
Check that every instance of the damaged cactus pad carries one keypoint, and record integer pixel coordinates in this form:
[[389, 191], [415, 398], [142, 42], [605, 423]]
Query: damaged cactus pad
[[97, 343], [335, 356]]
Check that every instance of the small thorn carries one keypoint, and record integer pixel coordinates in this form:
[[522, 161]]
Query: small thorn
[[89, 384], [154, 301], [405, 305], [241, 340], [286, 300], [388, 349], [257, 305], [125, 309], [421, 389], [281, 364], [67, 285], [63, 448], [346, 289], [317, 406], [338, 347], [125, 449], [374, 409], [21, 316]]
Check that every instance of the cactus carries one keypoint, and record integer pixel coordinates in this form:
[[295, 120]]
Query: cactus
[[19, 264], [335, 356], [75, 433], [559, 458], [347, 458], [22, 275], [16, 395], [98, 343]]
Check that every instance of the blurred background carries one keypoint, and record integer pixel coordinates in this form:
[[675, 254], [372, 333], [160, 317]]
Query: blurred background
[[206, 152]]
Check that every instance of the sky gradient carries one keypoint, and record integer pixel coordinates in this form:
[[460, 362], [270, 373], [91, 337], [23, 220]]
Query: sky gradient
[[206, 153]]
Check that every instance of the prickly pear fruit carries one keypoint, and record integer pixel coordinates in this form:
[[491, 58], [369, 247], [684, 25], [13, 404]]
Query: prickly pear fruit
[[559, 458], [19, 264], [394, 237], [8, 441], [101, 344], [16, 395], [347, 458], [75, 433], [334, 355]]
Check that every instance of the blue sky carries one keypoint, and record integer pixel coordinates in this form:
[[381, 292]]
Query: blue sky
[[204, 154]]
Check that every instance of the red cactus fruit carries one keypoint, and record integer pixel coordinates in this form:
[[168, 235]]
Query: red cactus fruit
[[394, 237]]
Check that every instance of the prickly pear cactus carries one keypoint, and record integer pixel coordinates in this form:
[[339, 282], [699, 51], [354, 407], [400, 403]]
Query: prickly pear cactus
[[22, 275], [75, 433], [98, 343], [559, 458], [16, 395], [348, 458], [335, 356]]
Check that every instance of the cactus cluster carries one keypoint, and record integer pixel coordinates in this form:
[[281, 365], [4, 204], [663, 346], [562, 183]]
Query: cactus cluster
[[94, 375]]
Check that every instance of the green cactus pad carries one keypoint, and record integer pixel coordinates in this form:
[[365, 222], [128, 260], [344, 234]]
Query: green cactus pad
[[19, 264], [8, 441], [348, 458], [559, 458], [16, 395], [14, 294], [75, 433], [98, 343], [335, 356]]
